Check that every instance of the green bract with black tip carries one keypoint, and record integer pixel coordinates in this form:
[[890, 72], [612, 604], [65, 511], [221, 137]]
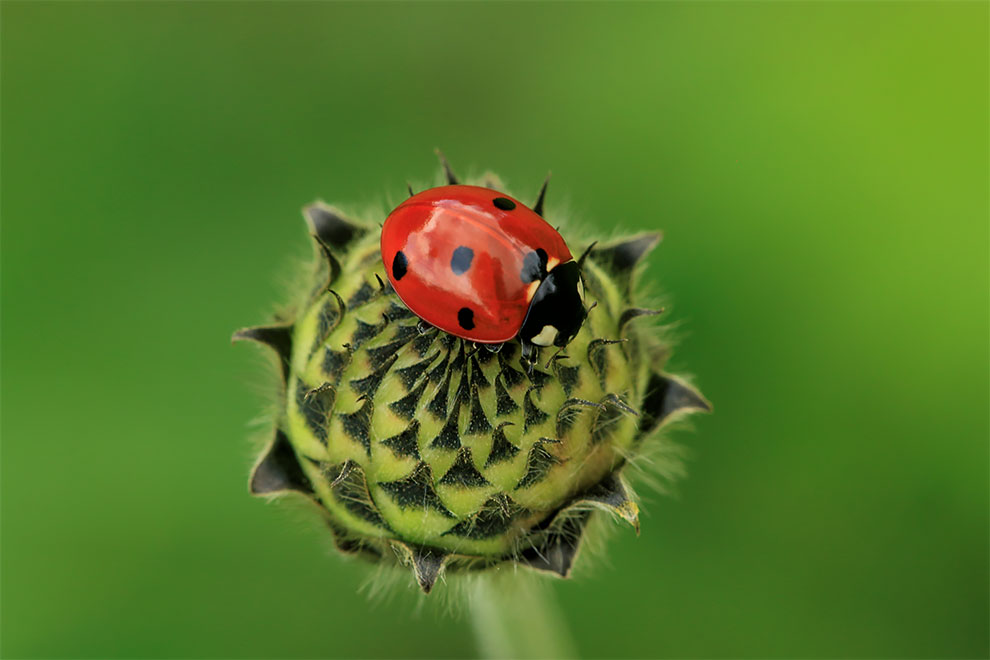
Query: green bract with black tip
[[429, 450]]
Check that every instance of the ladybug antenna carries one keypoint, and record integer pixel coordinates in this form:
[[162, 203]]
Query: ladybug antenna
[[409, 187], [538, 207], [585, 254], [447, 172]]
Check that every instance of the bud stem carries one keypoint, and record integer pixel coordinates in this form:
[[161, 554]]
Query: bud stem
[[515, 615]]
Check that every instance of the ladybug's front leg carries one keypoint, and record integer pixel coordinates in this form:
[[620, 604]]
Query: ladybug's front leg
[[530, 355]]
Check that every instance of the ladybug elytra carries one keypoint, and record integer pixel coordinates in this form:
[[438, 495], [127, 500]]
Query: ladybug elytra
[[482, 266]]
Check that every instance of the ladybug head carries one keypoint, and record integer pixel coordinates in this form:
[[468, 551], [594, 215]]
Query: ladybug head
[[556, 311]]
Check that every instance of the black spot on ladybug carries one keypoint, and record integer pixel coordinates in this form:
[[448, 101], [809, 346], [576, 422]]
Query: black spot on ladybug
[[504, 203], [461, 261], [399, 265], [465, 317], [534, 266]]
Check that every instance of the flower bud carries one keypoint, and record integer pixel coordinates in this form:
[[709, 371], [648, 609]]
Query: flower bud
[[442, 454]]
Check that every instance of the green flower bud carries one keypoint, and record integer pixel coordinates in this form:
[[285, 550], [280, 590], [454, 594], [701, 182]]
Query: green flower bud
[[436, 452]]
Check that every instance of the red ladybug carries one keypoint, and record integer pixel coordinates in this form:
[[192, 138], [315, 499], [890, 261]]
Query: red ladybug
[[480, 265]]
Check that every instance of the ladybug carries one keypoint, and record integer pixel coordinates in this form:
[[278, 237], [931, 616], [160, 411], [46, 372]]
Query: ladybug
[[480, 265]]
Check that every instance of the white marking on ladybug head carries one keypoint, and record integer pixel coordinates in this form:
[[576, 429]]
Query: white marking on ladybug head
[[545, 337], [552, 263]]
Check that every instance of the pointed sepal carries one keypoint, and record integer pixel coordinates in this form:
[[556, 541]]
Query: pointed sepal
[[348, 545], [621, 258], [333, 266], [427, 563], [667, 396], [613, 407], [278, 470], [584, 255], [635, 313], [611, 495], [447, 172], [563, 541], [538, 206], [330, 226], [276, 337], [625, 254]]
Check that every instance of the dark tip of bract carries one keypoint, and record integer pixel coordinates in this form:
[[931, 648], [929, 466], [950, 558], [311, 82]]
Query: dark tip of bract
[[278, 470], [328, 225], [614, 400], [584, 255], [333, 266], [538, 206], [557, 554], [351, 546], [666, 396], [447, 172], [427, 564], [611, 495], [276, 337], [624, 255], [635, 313], [411, 192]]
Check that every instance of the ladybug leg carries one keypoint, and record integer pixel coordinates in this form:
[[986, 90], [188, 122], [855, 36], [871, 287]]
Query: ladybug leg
[[423, 327], [530, 355], [493, 348]]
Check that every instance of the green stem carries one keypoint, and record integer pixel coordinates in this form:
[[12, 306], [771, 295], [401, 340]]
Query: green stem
[[516, 616]]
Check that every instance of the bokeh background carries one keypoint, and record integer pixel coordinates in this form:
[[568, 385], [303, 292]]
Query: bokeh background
[[819, 170]]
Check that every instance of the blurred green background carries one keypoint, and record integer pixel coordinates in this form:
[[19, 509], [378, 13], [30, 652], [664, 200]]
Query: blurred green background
[[819, 170]]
